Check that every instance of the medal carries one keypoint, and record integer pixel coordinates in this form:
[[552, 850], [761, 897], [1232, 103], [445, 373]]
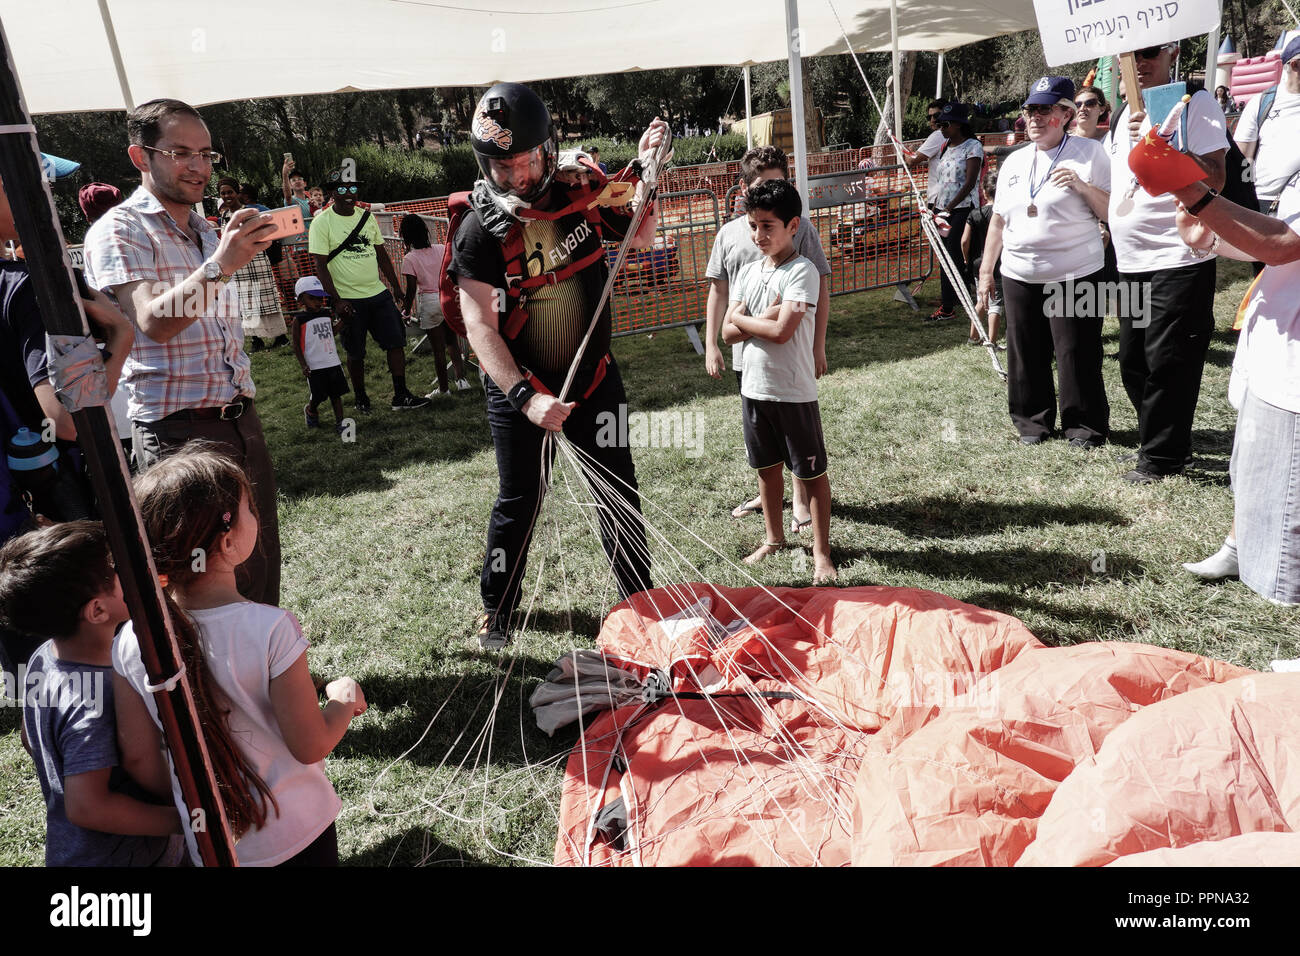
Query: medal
[[1032, 210], [1126, 204]]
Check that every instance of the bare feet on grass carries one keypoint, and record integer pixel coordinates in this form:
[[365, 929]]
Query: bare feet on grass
[[823, 571], [765, 550]]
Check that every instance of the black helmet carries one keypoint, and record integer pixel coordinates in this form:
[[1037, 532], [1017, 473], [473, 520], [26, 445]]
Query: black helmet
[[510, 120]]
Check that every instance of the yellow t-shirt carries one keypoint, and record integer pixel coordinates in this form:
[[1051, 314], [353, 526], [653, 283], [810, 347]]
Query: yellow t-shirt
[[355, 270]]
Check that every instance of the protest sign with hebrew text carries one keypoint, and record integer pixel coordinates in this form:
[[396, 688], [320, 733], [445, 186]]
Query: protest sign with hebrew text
[[1077, 30]]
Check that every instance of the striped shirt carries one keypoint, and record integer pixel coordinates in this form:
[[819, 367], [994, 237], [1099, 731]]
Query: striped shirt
[[202, 366]]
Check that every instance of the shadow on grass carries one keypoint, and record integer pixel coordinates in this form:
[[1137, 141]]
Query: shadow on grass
[[1069, 626], [413, 847], [491, 695], [950, 517], [1022, 566]]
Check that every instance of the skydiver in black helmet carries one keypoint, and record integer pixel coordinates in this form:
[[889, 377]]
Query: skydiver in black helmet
[[528, 288]]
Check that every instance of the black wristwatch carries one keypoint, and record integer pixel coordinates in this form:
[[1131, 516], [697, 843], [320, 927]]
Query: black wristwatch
[[519, 395], [1195, 208]]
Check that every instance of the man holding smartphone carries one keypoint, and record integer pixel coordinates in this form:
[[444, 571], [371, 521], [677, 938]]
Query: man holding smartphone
[[187, 375]]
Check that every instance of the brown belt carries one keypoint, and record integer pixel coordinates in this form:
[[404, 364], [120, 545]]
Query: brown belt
[[225, 413]]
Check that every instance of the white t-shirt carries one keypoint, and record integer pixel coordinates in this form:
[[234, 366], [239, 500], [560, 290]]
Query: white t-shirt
[[1277, 157], [1268, 352], [931, 148], [733, 247], [245, 645], [1146, 238], [1062, 241], [779, 372], [317, 342]]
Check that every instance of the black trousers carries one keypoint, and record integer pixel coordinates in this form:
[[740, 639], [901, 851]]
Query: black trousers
[[1161, 357], [1062, 320], [952, 242], [594, 428]]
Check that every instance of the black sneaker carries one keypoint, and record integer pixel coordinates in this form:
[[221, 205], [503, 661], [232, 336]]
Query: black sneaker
[[402, 402], [1033, 439], [1140, 476], [1087, 444], [491, 635], [362, 403]]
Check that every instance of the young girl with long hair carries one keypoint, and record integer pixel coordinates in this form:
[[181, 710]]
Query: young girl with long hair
[[422, 265], [266, 732]]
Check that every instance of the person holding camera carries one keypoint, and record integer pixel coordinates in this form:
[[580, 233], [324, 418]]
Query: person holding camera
[[187, 375]]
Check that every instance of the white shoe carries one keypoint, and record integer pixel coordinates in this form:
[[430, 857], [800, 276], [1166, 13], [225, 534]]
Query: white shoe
[[463, 384], [1221, 564], [437, 394]]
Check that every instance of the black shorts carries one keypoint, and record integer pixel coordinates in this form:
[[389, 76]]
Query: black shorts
[[787, 433], [379, 316], [327, 383]]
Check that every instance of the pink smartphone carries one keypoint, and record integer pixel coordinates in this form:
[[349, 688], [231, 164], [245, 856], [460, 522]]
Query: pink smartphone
[[287, 221]]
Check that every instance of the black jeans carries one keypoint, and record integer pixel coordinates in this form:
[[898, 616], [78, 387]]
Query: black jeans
[[241, 438], [518, 445], [1073, 335], [1161, 357], [952, 242]]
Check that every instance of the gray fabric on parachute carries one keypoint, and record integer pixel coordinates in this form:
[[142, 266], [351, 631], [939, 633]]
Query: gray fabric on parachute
[[584, 681]]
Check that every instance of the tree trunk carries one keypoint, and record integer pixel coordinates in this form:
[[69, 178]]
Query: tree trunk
[[811, 128], [906, 70]]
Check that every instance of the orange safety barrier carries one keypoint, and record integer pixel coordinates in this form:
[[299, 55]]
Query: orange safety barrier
[[871, 244]]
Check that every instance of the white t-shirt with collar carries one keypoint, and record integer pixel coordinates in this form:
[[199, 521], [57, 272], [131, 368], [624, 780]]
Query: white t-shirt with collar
[[1146, 237], [1062, 241], [1277, 157], [1268, 352]]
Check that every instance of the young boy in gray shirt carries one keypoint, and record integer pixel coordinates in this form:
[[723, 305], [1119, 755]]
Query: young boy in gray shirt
[[769, 316], [732, 250]]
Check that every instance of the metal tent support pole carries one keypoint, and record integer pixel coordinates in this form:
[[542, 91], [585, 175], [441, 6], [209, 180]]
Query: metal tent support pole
[[796, 99], [52, 281]]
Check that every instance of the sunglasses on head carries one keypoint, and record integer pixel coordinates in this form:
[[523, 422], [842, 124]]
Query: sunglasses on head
[[1087, 104], [1150, 52], [344, 190]]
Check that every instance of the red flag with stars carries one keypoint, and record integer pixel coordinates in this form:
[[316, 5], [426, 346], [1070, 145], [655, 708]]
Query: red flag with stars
[[1159, 167]]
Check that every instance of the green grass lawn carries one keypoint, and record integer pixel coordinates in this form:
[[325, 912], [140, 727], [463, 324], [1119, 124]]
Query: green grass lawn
[[383, 539]]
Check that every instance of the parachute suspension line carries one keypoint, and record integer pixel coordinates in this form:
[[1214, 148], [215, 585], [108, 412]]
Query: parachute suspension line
[[685, 598], [927, 224], [651, 169], [812, 777]]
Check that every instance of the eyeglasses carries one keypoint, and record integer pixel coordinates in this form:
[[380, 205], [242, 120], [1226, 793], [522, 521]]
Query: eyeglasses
[[1087, 104], [932, 116], [1038, 109], [1150, 52], [345, 190], [184, 156]]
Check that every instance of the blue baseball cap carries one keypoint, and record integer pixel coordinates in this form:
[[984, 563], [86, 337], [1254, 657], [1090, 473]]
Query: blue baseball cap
[[1291, 50], [56, 167], [1050, 90]]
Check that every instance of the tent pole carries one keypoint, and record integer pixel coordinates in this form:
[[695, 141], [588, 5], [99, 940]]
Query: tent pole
[[898, 87], [796, 99], [111, 35], [1212, 51], [50, 271], [938, 80], [749, 113]]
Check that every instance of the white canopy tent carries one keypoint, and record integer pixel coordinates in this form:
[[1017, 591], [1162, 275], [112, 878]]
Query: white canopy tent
[[203, 52]]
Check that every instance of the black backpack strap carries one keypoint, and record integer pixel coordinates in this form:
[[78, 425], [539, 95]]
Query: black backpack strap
[[356, 231]]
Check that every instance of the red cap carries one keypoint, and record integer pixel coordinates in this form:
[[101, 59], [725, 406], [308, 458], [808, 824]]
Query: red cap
[[98, 198]]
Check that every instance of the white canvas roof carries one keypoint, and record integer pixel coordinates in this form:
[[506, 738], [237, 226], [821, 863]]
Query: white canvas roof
[[222, 50]]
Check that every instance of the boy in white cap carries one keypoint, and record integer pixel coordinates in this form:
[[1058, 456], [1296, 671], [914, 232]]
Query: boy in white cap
[[313, 344]]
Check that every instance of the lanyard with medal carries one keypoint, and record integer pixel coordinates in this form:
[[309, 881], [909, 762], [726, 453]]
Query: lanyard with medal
[[1032, 210]]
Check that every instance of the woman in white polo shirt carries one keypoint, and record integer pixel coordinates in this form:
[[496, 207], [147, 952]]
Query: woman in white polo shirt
[[1044, 227], [1265, 383]]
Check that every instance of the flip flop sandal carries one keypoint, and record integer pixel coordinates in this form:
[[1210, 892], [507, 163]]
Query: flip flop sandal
[[743, 509], [797, 526]]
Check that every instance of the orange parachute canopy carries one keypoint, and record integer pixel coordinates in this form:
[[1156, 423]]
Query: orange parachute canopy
[[888, 726]]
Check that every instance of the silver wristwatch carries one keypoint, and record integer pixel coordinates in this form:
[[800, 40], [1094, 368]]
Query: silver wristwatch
[[212, 272]]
